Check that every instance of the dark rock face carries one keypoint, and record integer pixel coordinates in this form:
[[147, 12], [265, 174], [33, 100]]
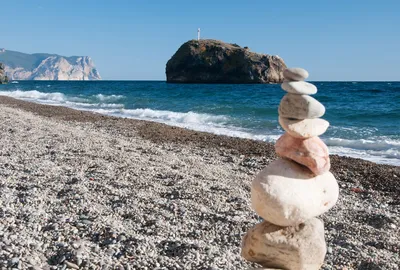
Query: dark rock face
[[212, 61], [3, 77]]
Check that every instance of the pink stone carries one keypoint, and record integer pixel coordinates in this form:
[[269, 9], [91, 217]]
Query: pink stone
[[311, 152]]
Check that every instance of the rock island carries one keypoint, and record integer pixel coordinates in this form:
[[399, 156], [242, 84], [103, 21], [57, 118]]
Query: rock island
[[213, 61]]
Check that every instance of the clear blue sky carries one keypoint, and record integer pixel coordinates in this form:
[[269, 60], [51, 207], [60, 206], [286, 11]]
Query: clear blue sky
[[133, 40]]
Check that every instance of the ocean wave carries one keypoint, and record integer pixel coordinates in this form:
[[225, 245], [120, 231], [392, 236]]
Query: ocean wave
[[216, 124], [181, 118], [90, 106], [377, 149], [362, 144], [57, 98], [389, 157], [107, 98], [178, 117], [35, 95]]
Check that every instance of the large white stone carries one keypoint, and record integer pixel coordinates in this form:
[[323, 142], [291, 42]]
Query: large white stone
[[305, 128], [295, 74], [300, 247], [286, 193], [300, 107], [299, 88]]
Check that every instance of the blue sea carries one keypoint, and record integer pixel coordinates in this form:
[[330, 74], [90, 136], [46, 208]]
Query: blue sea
[[364, 116]]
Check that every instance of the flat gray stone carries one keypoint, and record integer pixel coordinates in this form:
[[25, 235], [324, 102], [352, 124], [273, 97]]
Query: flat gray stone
[[305, 128], [300, 107], [301, 247], [295, 74], [299, 88]]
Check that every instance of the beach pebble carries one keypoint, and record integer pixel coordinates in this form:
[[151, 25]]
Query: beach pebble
[[300, 107], [298, 247], [295, 74], [299, 88], [71, 265], [265, 269], [14, 261], [286, 193], [305, 128], [312, 152]]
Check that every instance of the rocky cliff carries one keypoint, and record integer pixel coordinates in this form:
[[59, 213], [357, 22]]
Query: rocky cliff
[[213, 61], [3, 77], [42, 66]]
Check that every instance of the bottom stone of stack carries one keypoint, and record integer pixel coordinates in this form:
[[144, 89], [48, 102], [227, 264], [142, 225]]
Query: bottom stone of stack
[[300, 247]]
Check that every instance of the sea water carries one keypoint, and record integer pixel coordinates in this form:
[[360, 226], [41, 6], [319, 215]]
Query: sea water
[[364, 116]]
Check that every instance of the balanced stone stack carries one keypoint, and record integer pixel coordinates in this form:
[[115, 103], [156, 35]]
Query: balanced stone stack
[[290, 192]]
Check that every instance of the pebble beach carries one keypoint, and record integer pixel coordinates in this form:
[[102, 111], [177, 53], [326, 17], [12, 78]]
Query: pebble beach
[[80, 190]]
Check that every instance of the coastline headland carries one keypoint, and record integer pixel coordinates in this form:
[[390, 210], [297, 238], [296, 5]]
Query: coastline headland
[[45, 66]]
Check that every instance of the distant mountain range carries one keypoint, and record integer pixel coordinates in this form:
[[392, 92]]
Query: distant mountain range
[[44, 66]]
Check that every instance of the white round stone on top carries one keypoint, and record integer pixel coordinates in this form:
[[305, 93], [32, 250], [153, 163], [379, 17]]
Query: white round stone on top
[[299, 87], [295, 74]]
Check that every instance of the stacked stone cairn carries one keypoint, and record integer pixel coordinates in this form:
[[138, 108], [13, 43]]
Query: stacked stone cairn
[[291, 191]]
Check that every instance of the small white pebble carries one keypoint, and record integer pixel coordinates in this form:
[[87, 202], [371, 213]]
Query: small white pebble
[[393, 226]]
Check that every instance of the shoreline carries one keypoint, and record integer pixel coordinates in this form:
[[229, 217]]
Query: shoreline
[[93, 190], [156, 131], [378, 145], [162, 133]]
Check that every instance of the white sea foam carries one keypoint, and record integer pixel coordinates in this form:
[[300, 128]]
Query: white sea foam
[[92, 106], [216, 124], [379, 150], [35, 95], [107, 98], [56, 98], [362, 144]]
